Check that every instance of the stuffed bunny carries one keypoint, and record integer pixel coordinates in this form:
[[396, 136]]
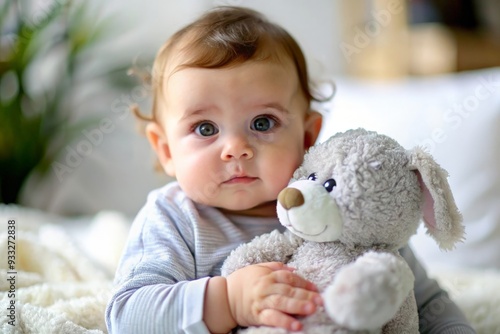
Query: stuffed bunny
[[355, 200]]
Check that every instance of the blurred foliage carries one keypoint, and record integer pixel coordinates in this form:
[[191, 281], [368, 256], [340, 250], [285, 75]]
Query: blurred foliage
[[35, 113]]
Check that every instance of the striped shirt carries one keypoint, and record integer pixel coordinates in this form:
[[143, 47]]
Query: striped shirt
[[176, 245]]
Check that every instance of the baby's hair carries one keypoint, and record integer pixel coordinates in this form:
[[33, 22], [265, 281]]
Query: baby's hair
[[227, 36]]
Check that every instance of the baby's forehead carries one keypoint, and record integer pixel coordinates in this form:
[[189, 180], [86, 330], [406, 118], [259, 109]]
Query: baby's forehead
[[250, 82], [250, 87], [269, 69], [188, 54]]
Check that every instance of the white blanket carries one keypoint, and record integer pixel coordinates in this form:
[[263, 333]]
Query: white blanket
[[61, 277], [64, 273], [477, 293]]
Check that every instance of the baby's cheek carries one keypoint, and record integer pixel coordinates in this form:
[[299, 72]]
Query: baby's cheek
[[198, 186], [282, 177]]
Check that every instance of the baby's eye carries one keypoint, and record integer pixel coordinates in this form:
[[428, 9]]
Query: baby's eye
[[329, 184], [312, 177], [206, 129], [263, 123]]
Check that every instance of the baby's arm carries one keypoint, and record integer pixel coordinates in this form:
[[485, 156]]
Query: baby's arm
[[158, 308], [437, 312], [262, 294], [155, 278]]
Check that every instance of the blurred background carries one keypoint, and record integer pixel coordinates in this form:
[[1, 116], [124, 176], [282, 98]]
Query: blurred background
[[68, 142]]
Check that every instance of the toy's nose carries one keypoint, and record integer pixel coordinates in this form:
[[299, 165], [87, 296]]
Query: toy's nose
[[290, 198]]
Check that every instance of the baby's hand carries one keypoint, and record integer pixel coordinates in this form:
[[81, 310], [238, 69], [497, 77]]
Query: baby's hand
[[269, 294]]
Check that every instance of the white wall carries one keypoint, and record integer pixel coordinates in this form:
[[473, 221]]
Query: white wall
[[146, 24]]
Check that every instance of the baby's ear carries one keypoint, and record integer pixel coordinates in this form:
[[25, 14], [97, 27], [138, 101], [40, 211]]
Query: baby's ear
[[440, 213], [158, 141], [312, 127]]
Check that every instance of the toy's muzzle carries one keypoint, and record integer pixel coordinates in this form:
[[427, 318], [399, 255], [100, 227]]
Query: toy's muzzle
[[306, 209]]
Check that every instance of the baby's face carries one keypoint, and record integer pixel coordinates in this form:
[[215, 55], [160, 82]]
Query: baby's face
[[234, 135]]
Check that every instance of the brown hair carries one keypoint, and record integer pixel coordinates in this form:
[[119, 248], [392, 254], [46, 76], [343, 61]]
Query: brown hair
[[227, 36]]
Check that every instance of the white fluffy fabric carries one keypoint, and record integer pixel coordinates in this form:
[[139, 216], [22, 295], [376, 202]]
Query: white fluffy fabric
[[477, 292], [60, 285], [64, 275]]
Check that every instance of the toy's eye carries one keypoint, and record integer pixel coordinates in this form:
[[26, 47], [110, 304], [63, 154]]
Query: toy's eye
[[312, 177], [329, 184]]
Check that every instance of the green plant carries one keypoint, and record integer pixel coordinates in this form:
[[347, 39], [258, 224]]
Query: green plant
[[35, 108]]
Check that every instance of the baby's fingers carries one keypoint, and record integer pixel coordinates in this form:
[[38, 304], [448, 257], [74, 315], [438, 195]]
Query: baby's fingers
[[294, 280], [274, 318], [289, 305], [276, 266], [298, 293]]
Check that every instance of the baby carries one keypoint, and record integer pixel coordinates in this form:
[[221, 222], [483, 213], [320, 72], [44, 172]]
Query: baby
[[231, 122]]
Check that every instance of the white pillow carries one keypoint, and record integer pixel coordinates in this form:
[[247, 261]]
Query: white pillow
[[457, 118]]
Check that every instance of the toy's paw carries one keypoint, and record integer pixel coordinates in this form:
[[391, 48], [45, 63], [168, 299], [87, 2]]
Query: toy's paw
[[367, 294]]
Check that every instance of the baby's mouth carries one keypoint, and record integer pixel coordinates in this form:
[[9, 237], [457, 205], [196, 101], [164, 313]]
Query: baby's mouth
[[240, 179]]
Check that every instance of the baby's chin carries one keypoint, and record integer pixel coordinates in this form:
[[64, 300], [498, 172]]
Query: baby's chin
[[245, 202], [266, 209]]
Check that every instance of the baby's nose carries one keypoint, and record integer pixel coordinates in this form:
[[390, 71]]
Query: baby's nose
[[237, 147], [290, 198]]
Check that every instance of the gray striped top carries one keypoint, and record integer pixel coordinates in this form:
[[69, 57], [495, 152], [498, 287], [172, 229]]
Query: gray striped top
[[176, 245]]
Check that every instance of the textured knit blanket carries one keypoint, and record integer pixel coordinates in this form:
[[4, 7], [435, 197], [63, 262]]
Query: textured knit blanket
[[59, 277]]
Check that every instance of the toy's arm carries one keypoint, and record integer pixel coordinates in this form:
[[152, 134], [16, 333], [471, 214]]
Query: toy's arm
[[368, 292], [270, 247]]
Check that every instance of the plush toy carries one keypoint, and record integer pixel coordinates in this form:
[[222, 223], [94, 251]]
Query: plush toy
[[355, 200]]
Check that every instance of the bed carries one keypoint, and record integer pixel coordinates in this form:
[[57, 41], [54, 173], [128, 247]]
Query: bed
[[62, 275]]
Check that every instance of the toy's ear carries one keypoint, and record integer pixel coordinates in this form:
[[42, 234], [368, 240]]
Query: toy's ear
[[440, 213]]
